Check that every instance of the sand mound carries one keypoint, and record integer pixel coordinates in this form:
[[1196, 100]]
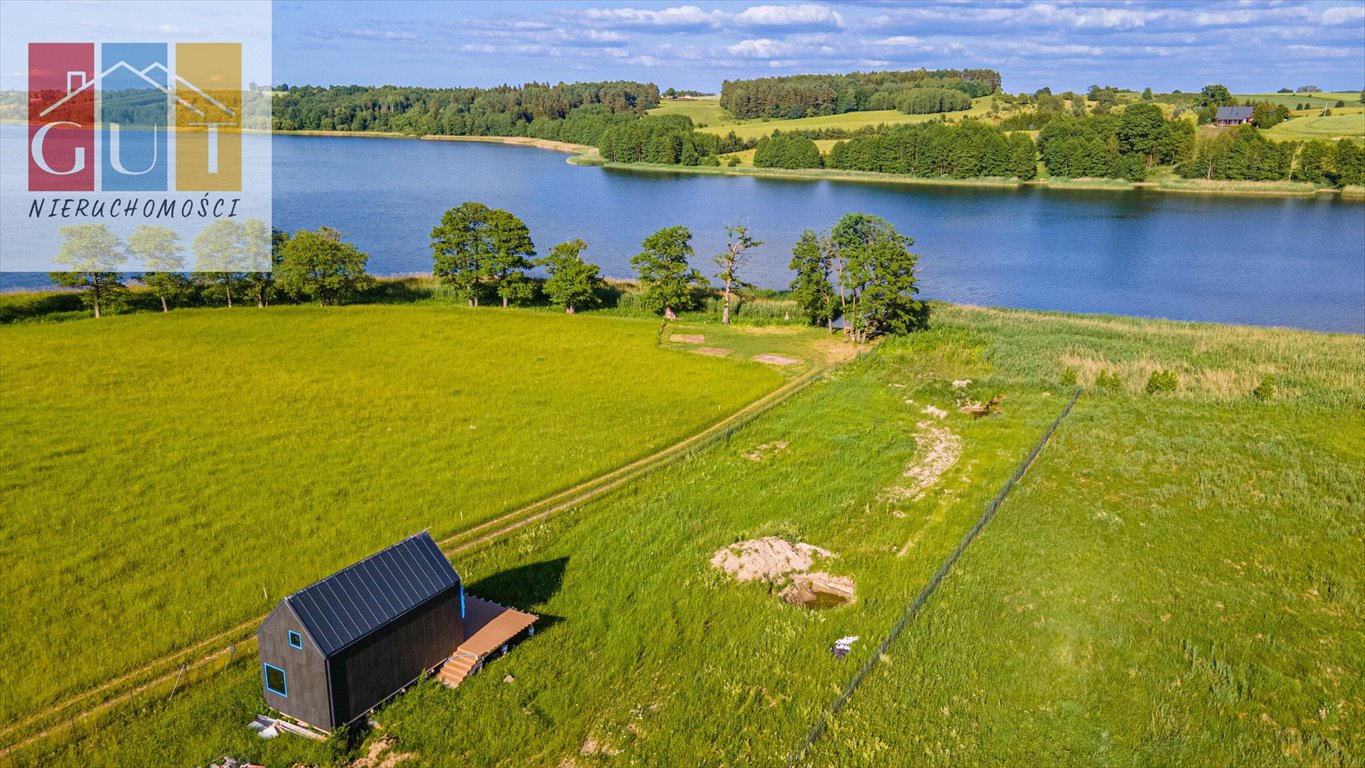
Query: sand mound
[[819, 590], [766, 559], [939, 449]]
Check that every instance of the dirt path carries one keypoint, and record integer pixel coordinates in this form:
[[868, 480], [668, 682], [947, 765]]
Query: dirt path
[[74, 709]]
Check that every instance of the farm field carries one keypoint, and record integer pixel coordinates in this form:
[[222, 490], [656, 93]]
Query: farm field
[[720, 122], [1061, 634], [171, 476], [1315, 126]]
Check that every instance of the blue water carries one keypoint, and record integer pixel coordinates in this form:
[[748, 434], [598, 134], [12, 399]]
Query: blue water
[[1260, 261]]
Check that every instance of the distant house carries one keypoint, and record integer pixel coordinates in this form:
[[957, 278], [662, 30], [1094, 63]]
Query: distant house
[[1233, 116], [336, 649]]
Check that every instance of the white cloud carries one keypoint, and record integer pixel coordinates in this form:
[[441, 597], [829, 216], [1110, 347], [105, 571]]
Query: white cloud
[[1344, 14], [806, 15]]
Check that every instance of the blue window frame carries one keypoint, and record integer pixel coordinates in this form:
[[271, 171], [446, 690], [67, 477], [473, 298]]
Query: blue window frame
[[275, 682], [461, 600], [295, 639]]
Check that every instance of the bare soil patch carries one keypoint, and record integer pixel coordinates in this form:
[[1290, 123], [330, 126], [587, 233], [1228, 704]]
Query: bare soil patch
[[766, 451], [713, 351], [777, 359], [939, 449], [687, 338]]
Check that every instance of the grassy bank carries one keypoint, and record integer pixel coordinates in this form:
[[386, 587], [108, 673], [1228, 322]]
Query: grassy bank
[[1176, 581], [157, 466]]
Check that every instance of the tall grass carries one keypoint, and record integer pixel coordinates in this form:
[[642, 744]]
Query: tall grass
[[1176, 581], [171, 476]]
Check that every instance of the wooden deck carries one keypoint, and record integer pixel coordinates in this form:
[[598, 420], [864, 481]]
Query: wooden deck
[[488, 627]]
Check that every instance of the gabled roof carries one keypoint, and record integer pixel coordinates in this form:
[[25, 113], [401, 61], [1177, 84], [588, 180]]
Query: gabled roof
[[364, 597], [1233, 113]]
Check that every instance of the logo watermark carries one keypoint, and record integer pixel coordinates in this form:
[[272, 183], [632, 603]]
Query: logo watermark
[[115, 137]]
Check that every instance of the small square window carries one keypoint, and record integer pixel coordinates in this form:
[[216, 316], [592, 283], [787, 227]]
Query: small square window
[[275, 682], [295, 640]]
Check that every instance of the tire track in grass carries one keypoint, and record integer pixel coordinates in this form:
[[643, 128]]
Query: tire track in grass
[[483, 533], [911, 610]]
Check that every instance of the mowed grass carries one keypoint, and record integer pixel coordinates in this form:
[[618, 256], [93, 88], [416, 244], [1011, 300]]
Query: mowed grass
[[1177, 581], [1109, 614], [167, 477], [720, 122], [1317, 127]]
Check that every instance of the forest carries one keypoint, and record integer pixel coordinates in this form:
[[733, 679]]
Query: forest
[[937, 149], [666, 139], [797, 96], [574, 112]]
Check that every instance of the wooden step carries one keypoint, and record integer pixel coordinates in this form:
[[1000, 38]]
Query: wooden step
[[454, 671]]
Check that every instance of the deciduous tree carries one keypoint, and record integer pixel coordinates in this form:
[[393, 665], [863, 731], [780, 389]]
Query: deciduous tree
[[319, 265], [573, 282], [220, 253], [94, 255], [878, 276], [159, 250], [738, 243], [668, 280], [504, 270], [812, 289]]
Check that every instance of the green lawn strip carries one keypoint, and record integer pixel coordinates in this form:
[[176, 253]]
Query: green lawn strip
[[161, 469], [1175, 583]]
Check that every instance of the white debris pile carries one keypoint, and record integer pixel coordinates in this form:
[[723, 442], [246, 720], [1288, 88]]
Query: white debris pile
[[843, 646]]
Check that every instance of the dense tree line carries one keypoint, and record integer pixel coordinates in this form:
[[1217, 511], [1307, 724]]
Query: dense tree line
[[667, 139], [797, 96], [929, 101], [938, 149], [1243, 154], [1118, 146], [574, 112], [241, 258], [783, 151]]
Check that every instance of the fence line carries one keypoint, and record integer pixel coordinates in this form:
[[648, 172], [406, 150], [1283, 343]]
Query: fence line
[[911, 610]]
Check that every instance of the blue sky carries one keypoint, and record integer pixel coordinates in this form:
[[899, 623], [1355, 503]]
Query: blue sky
[[1167, 44]]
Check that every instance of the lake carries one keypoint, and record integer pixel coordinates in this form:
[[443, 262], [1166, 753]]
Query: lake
[[1261, 261]]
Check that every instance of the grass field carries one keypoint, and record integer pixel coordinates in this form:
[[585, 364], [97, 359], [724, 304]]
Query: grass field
[[1177, 581], [1336, 125], [1292, 100], [170, 476], [720, 122]]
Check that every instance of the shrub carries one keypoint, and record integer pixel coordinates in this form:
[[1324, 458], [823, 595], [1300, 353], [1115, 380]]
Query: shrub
[[1109, 380], [1069, 377], [1266, 389], [734, 162], [1161, 381]]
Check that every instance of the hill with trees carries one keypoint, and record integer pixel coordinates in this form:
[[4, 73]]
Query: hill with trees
[[797, 96]]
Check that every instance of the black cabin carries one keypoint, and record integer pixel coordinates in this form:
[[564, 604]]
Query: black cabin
[[334, 650]]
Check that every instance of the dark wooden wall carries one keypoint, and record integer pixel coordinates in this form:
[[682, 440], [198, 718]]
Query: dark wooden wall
[[378, 666], [305, 670]]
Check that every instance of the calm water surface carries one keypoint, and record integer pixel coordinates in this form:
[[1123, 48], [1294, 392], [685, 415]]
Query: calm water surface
[[1289, 262]]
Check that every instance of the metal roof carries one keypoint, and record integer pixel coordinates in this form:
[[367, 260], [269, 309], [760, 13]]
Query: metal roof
[[1233, 113], [364, 597]]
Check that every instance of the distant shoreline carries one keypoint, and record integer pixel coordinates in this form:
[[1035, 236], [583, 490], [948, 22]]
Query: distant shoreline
[[582, 154]]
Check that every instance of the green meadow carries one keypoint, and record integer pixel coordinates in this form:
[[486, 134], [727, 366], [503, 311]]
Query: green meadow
[[169, 477], [1177, 580], [719, 121]]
